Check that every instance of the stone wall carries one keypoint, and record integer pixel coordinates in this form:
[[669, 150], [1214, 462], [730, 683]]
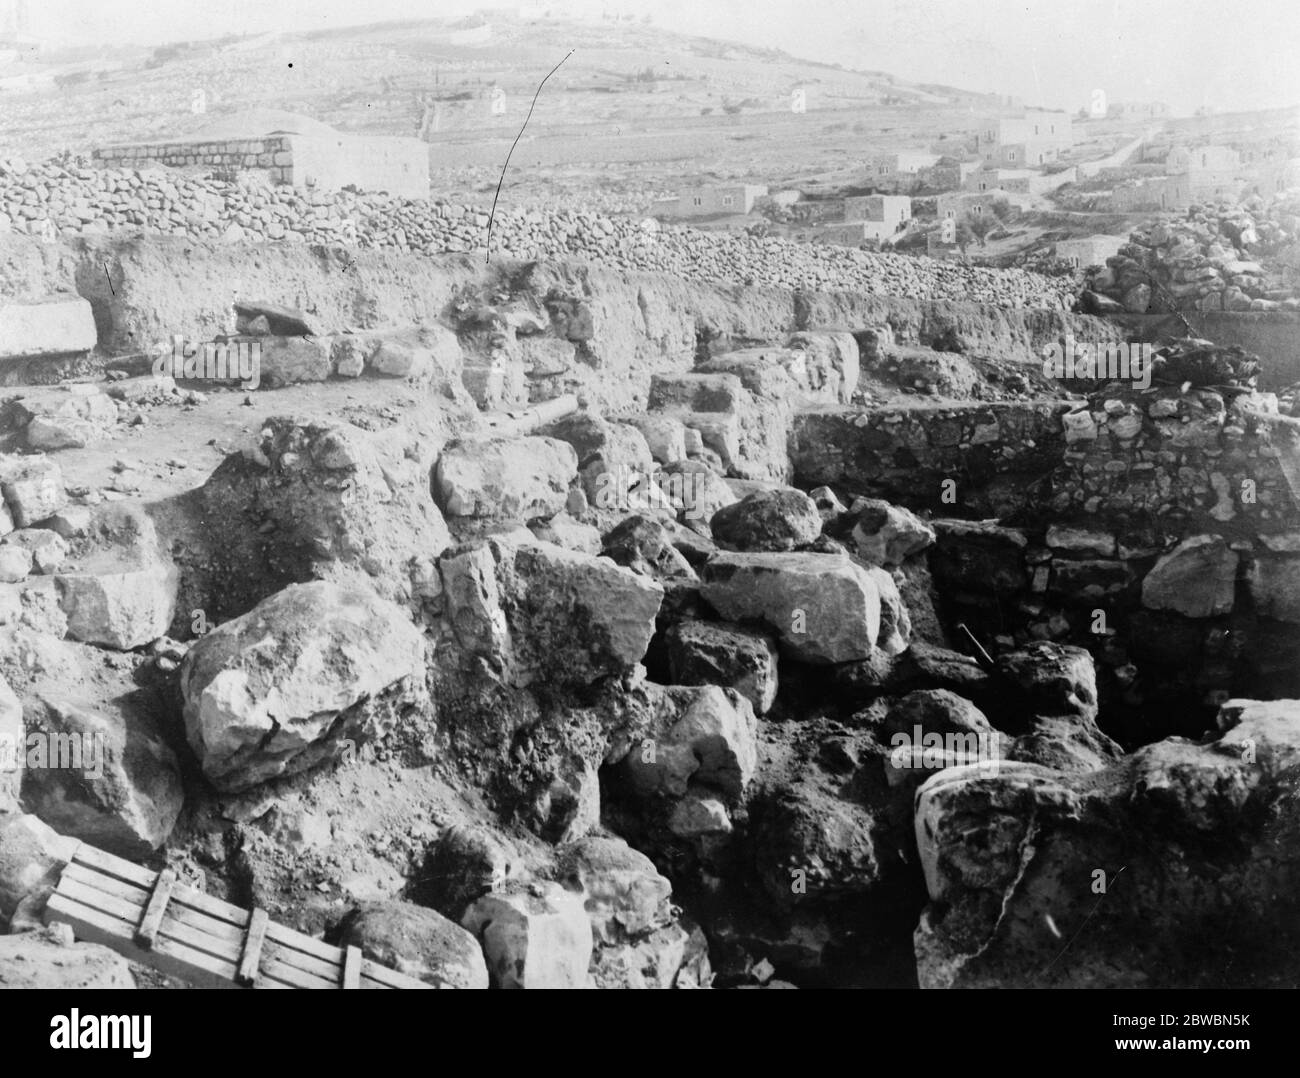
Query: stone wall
[[1161, 530], [975, 459], [1151, 467], [271, 153], [398, 166]]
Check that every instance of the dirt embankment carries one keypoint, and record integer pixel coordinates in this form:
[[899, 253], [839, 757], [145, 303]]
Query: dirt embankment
[[144, 291]]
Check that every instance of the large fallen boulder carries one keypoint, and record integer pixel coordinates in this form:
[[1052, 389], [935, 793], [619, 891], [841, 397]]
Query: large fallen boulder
[[533, 935], [706, 653], [887, 534], [315, 501], [623, 892], [124, 589], [823, 607], [1182, 861], [646, 547], [768, 520], [536, 611], [101, 772], [299, 679], [32, 488], [419, 942], [696, 737], [59, 325], [605, 452], [504, 479], [121, 610]]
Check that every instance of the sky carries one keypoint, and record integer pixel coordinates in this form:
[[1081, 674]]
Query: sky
[[1187, 53]]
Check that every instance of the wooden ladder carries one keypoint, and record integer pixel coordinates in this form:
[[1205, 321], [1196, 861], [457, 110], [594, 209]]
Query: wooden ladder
[[154, 919]]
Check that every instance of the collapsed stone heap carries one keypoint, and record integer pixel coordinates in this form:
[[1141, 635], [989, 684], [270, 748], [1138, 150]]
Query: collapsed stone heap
[[642, 674], [1238, 258], [74, 200]]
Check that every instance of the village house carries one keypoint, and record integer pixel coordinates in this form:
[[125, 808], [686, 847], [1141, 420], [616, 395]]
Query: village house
[[868, 218], [949, 173], [1019, 181], [854, 233], [890, 210], [955, 205], [712, 201], [898, 171], [1193, 175], [1036, 138]]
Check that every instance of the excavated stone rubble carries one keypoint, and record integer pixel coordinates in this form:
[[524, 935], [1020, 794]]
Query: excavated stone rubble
[[674, 685]]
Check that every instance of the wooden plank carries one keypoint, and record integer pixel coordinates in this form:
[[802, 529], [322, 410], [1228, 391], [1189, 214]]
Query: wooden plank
[[390, 978], [251, 958], [351, 968], [195, 938], [155, 919], [220, 931], [213, 907], [300, 941], [110, 885], [114, 866], [168, 956], [156, 909], [142, 877], [226, 939], [282, 971], [95, 899], [177, 913], [330, 971]]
